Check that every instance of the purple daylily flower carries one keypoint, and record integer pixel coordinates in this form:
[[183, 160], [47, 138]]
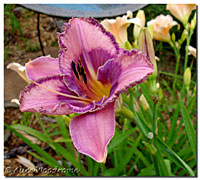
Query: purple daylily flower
[[89, 74]]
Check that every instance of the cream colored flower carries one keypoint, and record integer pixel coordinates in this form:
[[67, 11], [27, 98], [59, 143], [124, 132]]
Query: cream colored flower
[[118, 27], [19, 69], [192, 51], [161, 26], [181, 11]]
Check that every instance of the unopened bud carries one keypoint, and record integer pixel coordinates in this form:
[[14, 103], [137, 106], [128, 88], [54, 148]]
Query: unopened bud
[[158, 85], [173, 37], [187, 77], [157, 58], [145, 44], [141, 16], [144, 103], [184, 35], [160, 94], [187, 26], [150, 29], [193, 22], [177, 44]]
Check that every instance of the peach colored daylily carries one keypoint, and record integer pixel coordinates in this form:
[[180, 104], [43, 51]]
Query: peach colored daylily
[[118, 27], [181, 11], [192, 51], [161, 26]]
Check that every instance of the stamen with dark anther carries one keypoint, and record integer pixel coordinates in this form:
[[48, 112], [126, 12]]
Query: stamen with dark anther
[[79, 68], [74, 69], [83, 75]]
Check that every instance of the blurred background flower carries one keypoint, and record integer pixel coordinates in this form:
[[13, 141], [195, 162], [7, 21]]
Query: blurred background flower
[[161, 26], [118, 27], [181, 11]]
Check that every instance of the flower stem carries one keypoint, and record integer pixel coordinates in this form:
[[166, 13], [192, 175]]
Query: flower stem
[[177, 65], [170, 74], [177, 54], [186, 48]]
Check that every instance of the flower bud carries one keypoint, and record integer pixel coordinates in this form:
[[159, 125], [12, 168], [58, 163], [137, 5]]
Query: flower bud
[[152, 85], [144, 103], [145, 44], [157, 58], [158, 85], [173, 37], [160, 94], [141, 16], [193, 22], [150, 29], [187, 77], [184, 35]]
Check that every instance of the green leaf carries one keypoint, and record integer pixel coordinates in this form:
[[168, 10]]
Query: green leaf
[[46, 162], [149, 171], [64, 132], [161, 165], [40, 151], [33, 132], [188, 126], [147, 96], [173, 156], [124, 161], [95, 169], [120, 138], [172, 134], [168, 165], [71, 158]]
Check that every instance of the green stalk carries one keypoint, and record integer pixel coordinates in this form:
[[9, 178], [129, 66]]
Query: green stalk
[[170, 74], [186, 48], [177, 54], [177, 65]]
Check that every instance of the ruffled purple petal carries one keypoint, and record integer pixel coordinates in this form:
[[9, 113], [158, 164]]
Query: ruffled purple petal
[[42, 67], [35, 98], [87, 39], [129, 69], [92, 132]]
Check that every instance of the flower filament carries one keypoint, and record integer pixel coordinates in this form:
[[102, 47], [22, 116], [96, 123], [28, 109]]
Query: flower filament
[[93, 88]]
